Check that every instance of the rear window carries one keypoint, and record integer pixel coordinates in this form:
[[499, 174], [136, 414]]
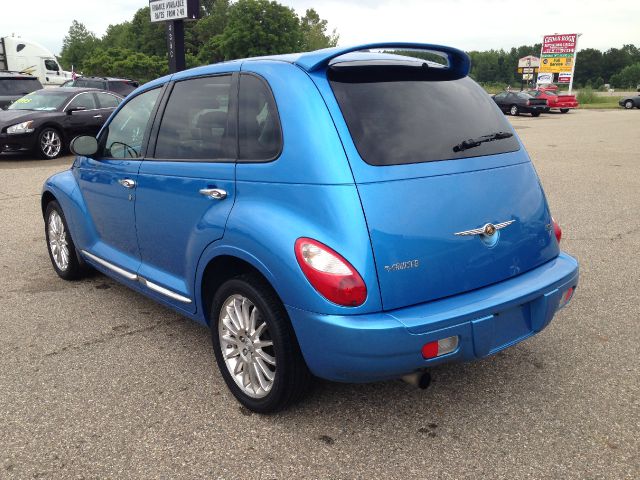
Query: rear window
[[400, 117], [19, 86]]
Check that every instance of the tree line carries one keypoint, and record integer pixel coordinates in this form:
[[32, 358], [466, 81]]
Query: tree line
[[245, 28], [225, 31], [619, 67]]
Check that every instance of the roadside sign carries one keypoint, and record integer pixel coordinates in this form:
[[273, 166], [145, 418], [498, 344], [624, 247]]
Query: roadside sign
[[528, 61], [167, 10], [557, 53], [544, 78], [527, 76], [527, 70], [564, 77]]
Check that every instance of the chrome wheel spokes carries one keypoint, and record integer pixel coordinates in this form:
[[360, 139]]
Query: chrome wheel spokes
[[51, 144], [246, 346], [58, 241]]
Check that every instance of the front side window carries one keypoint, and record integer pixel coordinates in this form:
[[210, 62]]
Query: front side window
[[402, 116], [84, 101], [125, 135], [51, 65], [500, 96], [259, 127], [197, 123]]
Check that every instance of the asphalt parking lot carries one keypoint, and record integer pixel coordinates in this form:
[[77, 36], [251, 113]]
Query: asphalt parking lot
[[97, 381]]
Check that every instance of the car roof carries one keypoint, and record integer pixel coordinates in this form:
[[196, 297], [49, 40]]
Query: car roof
[[9, 74], [109, 79], [73, 91]]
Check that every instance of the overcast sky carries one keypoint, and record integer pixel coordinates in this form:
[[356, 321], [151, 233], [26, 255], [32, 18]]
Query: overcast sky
[[466, 24]]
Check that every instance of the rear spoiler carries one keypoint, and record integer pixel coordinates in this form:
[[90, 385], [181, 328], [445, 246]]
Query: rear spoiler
[[459, 62]]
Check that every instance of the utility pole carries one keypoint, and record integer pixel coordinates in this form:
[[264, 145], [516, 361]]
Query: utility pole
[[573, 67], [174, 13]]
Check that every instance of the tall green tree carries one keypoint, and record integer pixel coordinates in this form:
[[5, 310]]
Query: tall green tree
[[314, 32], [259, 27], [78, 45], [629, 77]]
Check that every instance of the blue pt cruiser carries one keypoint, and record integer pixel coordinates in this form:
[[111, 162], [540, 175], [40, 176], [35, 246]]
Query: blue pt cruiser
[[355, 214]]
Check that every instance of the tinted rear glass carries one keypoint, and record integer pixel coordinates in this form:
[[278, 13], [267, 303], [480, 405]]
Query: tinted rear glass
[[18, 86], [402, 118]]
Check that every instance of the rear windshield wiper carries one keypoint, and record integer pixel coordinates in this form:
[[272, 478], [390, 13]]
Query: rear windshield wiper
[[476, 142]]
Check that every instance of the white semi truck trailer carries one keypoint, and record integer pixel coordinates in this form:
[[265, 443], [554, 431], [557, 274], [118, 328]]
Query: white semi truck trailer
[[19, 55]]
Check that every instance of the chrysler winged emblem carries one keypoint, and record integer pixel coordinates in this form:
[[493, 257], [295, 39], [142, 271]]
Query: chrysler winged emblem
[[488, 230]]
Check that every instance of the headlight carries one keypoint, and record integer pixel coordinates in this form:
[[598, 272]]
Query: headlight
[[24, 127]]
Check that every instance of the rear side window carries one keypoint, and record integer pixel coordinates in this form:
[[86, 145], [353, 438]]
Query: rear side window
[[107, 101], [123, 88], [84, 100], [260, 136], [197, 124], [90, 84], [403, 118], [18, 86]]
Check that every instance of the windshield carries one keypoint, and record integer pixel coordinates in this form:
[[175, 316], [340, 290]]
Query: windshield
[[40, 101], [396, 119], [18, 86]]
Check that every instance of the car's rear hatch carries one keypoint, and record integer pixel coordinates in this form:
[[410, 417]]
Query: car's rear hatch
[[421, 197]]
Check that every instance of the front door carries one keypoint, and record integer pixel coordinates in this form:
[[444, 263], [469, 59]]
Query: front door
[[108, 183], [186, 191]]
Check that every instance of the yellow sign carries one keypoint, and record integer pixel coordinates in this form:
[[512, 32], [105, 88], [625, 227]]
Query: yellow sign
[[556, 64]]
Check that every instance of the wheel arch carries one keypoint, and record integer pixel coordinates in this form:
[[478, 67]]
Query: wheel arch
[[224, 265]]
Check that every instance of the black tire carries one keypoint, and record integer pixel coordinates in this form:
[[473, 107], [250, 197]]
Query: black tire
[[535, 114], [629, 104], [76, 268], [50, 143], [564, 110], [292, 378], [514, 110]]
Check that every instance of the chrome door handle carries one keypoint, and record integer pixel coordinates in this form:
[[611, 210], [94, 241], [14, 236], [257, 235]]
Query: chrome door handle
[[214, 193], [97, 116], [127, 182]]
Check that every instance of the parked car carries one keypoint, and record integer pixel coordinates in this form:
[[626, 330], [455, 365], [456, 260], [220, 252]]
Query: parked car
[[344, 214], [516, 103], [45, 121], [14, 85], [560, 101], [630, 102], [121, 86]]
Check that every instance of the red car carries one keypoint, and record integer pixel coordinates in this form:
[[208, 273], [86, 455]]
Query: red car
[[563, 102]]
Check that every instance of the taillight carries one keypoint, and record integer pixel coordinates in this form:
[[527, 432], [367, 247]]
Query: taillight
[[556, 229], [330, 274]]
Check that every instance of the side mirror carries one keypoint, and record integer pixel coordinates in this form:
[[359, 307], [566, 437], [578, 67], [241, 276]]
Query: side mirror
[[75, 109], [84, 145]]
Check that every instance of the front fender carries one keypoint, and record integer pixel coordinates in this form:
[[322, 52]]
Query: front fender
[[64, 187]]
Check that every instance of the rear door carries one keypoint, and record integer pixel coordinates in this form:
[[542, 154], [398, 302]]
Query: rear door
[[424, 191], [187, 189]]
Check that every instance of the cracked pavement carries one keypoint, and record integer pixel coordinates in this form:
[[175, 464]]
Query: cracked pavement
[[97, 381]]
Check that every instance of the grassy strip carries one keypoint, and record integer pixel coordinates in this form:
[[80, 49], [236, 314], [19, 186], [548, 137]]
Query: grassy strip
[[609, 104]]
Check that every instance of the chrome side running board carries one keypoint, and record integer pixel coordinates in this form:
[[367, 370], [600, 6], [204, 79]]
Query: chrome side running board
[[111, 266], [133, 277]]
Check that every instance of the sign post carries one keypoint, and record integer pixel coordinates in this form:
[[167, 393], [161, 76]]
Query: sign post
[[174, 13]]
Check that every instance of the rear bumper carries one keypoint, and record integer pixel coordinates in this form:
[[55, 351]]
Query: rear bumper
[[533, 108], [378, 346]]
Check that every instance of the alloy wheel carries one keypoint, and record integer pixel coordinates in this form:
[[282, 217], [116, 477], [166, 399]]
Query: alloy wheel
[[50, 143], [246, 346], [58, 241]]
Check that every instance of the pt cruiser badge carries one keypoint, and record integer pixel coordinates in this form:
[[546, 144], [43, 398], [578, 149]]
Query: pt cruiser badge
[[489, 229]]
